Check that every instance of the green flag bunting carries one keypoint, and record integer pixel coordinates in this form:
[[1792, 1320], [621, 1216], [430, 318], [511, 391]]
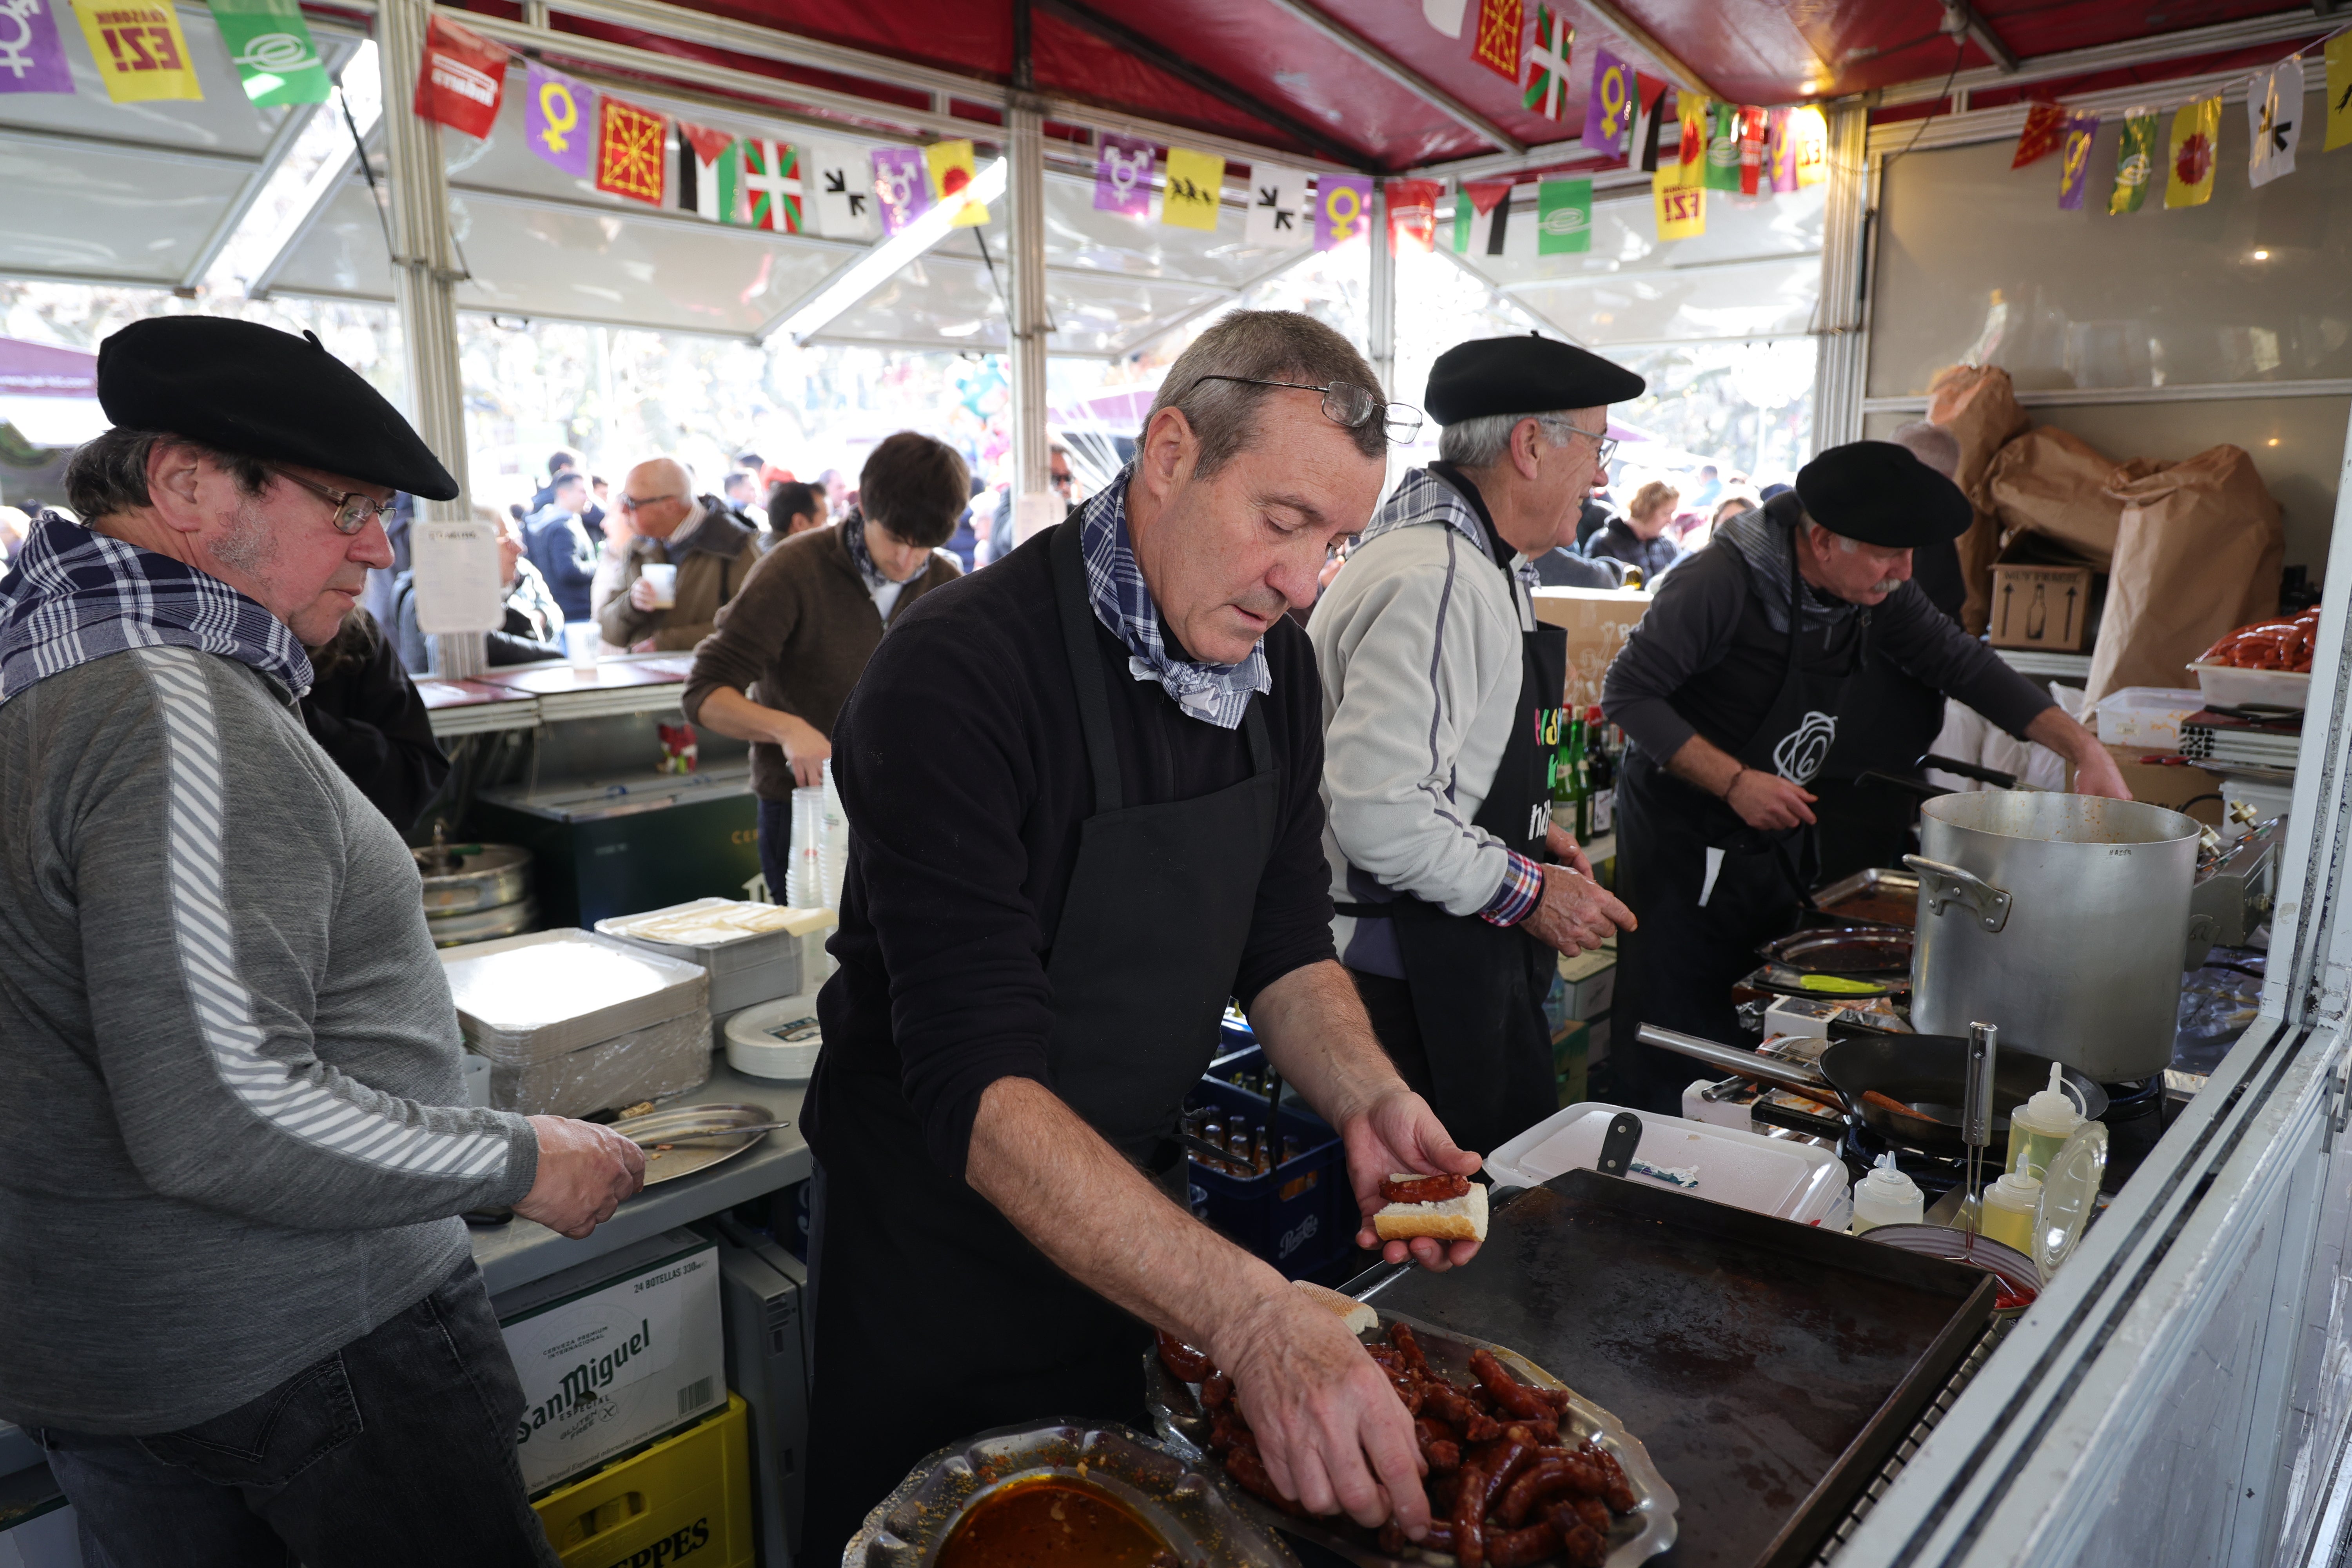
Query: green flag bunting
[[271, 45]]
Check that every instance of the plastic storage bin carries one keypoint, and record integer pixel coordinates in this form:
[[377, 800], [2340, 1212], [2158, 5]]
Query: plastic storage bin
[[746, 966], [1777, 1176], [2226, 686], [2146, 716], [686, 1497], [1301, 1214]]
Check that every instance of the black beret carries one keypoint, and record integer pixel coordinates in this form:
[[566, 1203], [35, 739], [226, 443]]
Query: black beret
[[256, 391], [1877, 492], [1531, 374]]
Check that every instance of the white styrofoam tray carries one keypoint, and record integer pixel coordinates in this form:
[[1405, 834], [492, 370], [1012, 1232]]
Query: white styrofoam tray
[[1745, 1170], [2230, 687], [531, 998], [724, 955]]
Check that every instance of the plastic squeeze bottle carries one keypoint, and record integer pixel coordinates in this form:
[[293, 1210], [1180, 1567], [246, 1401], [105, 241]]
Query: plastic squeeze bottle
[[1885, 1197], [2039, 1128], [2010, 1204]]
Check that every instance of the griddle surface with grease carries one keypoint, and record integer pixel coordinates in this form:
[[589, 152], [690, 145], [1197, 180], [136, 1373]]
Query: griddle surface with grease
[[1769, 1367]]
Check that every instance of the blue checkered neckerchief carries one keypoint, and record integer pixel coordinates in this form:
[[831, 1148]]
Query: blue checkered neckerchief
[[853, 538], [1422, 496], [76, 595], [1216, 694]]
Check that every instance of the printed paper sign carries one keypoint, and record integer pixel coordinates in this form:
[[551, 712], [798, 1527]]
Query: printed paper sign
[[32, 57], [902, 185], [1123, 167], [1563, 217], [631, 151], [142, 55], [841, 182], [271, 45], [560, 119], [1343, 205], [951, 169], [457, 566], [463, 78], [1196, 183], [1278, 207]]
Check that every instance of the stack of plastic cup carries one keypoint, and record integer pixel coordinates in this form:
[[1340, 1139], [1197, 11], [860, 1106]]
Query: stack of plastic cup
[[804, 876], [833, 850]]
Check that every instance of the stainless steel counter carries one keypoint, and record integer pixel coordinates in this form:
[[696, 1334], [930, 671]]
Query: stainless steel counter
[[521, 1250]]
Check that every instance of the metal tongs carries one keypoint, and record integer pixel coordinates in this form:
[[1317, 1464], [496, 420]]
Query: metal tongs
[[1976, 1118]]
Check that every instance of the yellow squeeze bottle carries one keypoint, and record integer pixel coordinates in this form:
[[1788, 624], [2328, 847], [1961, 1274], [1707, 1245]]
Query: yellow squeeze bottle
[[2039, 1128]]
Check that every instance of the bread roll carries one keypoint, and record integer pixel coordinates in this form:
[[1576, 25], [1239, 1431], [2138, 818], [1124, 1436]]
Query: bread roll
[[1456, 1219], [1358, 1315]]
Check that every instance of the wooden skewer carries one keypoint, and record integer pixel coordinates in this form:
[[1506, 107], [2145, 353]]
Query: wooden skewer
[[1888, 1102]]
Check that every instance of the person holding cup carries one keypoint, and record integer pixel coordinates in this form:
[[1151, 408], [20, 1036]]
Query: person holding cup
[[687, 556]]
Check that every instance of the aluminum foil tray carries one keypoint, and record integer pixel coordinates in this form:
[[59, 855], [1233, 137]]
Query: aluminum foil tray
[[1633, 1538]]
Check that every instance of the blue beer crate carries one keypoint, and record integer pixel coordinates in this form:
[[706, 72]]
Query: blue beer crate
[[1302, 1214]]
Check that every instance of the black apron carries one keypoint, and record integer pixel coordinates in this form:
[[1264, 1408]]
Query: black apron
[[935, 1317], [1477, 988], [1702, 916]]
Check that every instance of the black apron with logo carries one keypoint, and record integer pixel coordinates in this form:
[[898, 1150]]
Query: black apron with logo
[[937, 1319], [1707, 888], [1477, 988]]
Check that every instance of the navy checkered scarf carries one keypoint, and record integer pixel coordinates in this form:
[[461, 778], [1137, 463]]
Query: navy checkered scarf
[[75, 596], [1216, 694]]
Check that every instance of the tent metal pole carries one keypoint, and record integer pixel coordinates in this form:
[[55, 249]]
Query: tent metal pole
[[1840, 355], [1381, 297], [425, 286], [1026, 331]]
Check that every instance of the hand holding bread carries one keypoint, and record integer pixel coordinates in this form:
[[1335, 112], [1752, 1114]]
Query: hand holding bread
[[1430, 1212]]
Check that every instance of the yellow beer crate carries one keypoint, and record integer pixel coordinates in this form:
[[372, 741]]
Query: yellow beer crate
[[687, 1499]]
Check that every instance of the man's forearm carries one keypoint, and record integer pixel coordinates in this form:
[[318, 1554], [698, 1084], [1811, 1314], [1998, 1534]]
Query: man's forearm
[[1102, 1221], [729, 712], [1313, 1029], [2053, 728], [1702, 762]]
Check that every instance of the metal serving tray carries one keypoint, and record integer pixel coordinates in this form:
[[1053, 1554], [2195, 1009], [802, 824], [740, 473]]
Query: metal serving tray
[[1770, 1367], [1633, 1538], [1872, 885]]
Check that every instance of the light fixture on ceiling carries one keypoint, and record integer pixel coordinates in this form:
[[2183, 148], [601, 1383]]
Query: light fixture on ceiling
[[2261, 256], [875, 265]]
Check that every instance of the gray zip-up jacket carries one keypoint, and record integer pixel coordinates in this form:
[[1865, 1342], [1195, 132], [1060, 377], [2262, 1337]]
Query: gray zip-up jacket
[[229, 1083]]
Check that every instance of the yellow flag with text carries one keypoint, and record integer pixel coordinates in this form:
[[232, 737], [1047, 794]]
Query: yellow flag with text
[[2339, 91], [141, 52], [1678, 190], [1196, 183], [2189, 167], [951, 169]]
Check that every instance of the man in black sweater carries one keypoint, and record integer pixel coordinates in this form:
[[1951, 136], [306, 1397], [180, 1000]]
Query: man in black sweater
[[1084, 808]]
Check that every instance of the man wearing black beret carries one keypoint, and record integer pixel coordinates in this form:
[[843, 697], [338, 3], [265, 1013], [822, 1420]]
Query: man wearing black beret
[[1452, 888], [1732, 691], [250, 1328]]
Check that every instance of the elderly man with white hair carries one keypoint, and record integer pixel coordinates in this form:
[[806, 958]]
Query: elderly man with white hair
[[1740, 688], [700, 551]]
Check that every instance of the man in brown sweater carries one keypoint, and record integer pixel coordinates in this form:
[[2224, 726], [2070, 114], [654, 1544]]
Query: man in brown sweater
[[710, 548], [797, 635]]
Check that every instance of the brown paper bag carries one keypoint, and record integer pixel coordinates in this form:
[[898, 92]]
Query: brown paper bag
[[2054, 485], [1978, 406], [2198, 551]]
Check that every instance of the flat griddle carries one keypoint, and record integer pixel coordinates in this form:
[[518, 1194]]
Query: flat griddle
[[1770, 1368]]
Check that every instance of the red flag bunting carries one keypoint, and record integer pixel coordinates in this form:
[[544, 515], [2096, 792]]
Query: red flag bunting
[[631, 144], [1412, 214], [2045, 128], [461, 78], [1502, 27]]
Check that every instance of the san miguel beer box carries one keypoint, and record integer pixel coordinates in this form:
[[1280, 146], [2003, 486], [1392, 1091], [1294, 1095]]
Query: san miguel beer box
[[614, 1353], [2045, 607], [1596, 620]]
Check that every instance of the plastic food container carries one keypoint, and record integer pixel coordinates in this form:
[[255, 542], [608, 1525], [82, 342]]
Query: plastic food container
[[533, 998], [2226, 686], [1777, 1176], [747, 962], [2148, 716], [652, 1063]]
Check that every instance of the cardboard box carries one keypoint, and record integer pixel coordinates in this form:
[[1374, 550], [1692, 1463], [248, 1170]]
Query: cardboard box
[[1569, 1064], [1597, 620], [1591, 980], [614, 1353], [2043, 607], [2168, 785]]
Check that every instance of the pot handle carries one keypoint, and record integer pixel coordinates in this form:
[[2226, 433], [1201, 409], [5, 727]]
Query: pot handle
[[1940, 884]]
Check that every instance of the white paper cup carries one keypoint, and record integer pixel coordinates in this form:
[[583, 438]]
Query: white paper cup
[[580, 644], [665, 582]]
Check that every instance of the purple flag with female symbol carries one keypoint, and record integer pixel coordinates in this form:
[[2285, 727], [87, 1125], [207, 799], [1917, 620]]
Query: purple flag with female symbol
[[902, 185], [1122, 174], [31, 60], [1609, 107], [560, 119], [2075, 160], [1343, 208]]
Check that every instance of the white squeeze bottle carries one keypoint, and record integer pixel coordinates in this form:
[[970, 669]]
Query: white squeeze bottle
[[2039, 1128], [2009, 1209], [1885, 1197]]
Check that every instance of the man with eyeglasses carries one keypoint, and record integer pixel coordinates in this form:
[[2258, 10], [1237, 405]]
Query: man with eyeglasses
[[247, 1325], [704, 547], [1084, 812], [1442, 699]]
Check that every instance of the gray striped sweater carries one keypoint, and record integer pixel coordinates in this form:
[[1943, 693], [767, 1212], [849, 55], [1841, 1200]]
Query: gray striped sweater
[[230, 1098]]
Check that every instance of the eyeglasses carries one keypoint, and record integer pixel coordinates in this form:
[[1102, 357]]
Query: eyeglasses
[[631, 503], [1059, 481], [1603, 446], [1348, 404], [353, 512]]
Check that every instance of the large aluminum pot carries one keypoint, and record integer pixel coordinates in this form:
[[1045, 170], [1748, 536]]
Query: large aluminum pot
[[2063, 919]]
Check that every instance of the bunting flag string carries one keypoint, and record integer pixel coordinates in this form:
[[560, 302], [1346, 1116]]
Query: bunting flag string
[[2274, 122], [2045, 127], [1482, 217], [631, 151], [1563, 217], [141, 52], [1495, 42], [34, 60], [1343, 208], [2074, 161], [560, 119], [1549, 53], [270, 43], [1609, 105], [1412, 215], [709, 170], [2189, 161], [2134, 162], [1123, 175], [841, 184], [1278, 209], [1196, 188]]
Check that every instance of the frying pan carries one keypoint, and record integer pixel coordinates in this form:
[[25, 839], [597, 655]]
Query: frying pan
[[1921, 1071]]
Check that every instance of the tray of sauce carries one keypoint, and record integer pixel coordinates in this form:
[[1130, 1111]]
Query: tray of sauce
[[1875, 896], [1062, 1495]]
